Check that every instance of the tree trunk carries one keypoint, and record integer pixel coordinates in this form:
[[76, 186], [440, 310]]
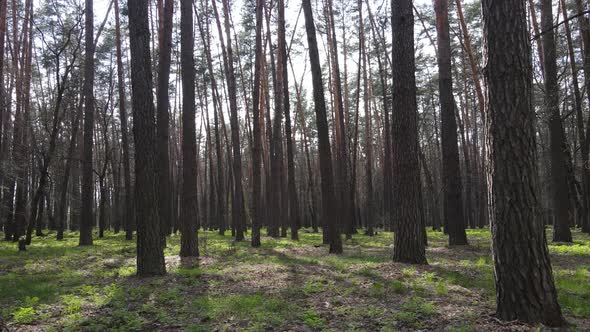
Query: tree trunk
[[409, 246], [256, 148], [560, 196], [188, 231], [585, 34], [453, 202], [87, 217], [369, 206], [128, 215], [228, 64], [150, 255], [523, 276], [293, 206], [163, 118], [580, 127], [327, 177], [220, 213], [347, 211]]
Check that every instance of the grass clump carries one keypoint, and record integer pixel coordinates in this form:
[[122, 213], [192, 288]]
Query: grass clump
[[24, 315], [414, 311], [312, 319], [253, 308]]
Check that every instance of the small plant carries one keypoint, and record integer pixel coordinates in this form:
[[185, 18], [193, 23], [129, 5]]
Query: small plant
[[398, 287], [409, 272], [441, 289], [377, 290], [414, 311], [312, 319], [314, 286], [24, 315], [73, 303]]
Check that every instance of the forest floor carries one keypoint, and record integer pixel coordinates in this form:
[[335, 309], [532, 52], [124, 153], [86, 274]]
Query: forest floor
[[284, 285]]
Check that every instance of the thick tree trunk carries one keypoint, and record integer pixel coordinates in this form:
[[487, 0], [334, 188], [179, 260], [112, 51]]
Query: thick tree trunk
[[524, 281], [150, 255], [453, 202], [327, 177], [409, 246], [188, 226]]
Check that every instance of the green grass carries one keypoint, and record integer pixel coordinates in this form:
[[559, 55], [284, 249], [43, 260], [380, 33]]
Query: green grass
[[284, 284]]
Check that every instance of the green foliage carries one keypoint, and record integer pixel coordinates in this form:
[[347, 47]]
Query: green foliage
[[255, 308], [398, 287], [24, 315], [377, 290], [284, 284], [312, 319], [315, 285], [414, 311]]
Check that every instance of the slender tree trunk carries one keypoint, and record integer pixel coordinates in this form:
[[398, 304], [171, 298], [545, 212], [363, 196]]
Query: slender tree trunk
[[128, 215], [87, 217], [150, 254], [228, 64], [22, 141], [4, 110], [189, 239], [291, 185], [256, 148], [327, 177], [347, 212], [580, 127], [369, 206], [559, 177], [585, 36], [163, 118], [524, 282], [220, 214], [70, 156], [453, 202]]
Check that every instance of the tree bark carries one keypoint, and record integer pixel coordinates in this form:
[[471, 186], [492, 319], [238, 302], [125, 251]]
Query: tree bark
[[257, 147], [128, 215], [559, 176], [188, 231], [453, 202], [585, 36], [162, 116], [293, 206], [409, 246], [228, 64], [150, 255], [87, 213], [522, 271], [327, 177]]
